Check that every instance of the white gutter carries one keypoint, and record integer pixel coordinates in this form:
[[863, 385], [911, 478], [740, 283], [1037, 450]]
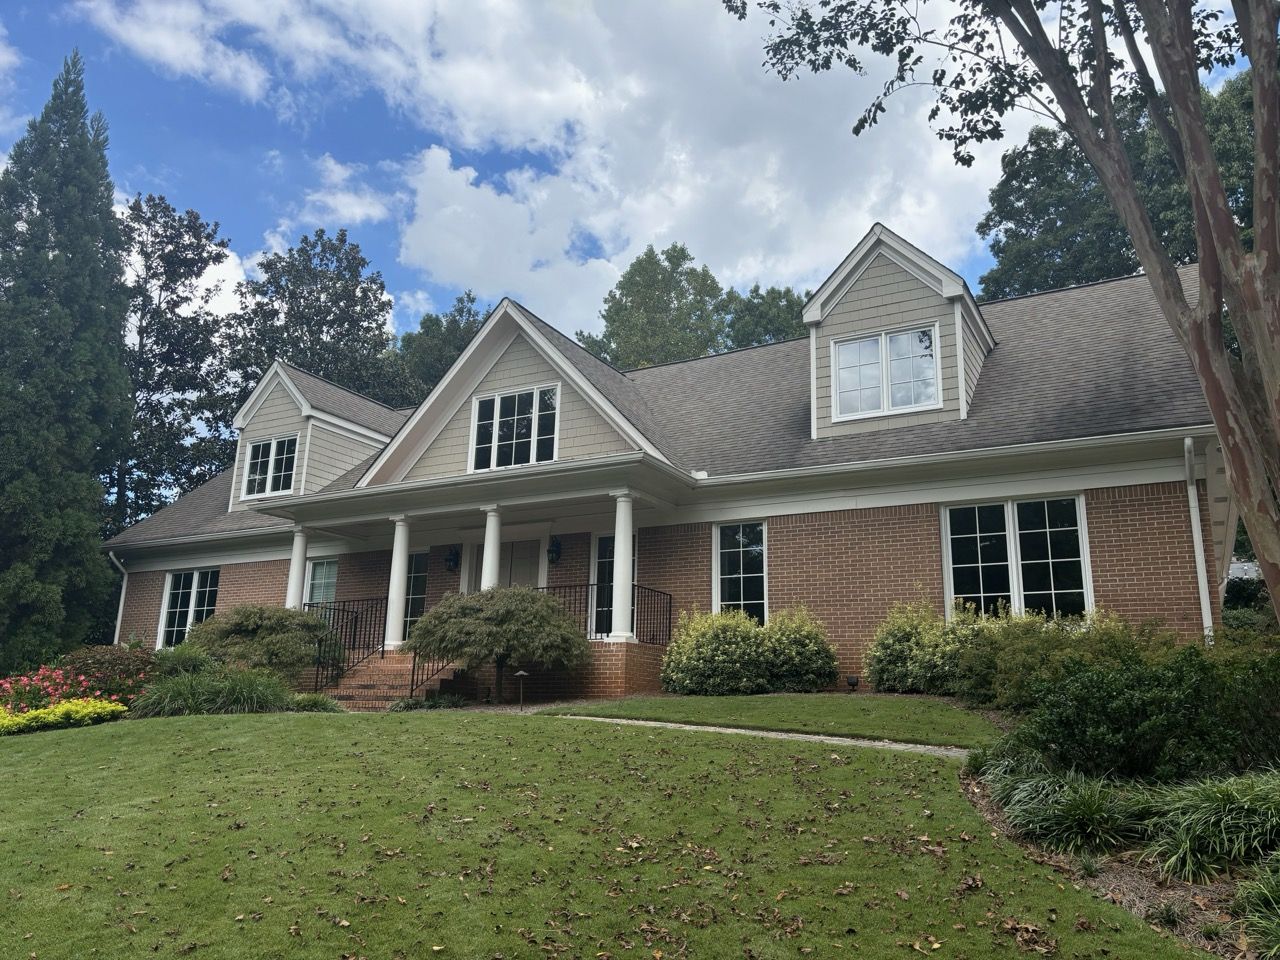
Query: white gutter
[[1197, 539], [124, 586]]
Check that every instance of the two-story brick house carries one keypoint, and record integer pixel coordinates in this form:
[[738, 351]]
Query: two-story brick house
[[1048, 452]]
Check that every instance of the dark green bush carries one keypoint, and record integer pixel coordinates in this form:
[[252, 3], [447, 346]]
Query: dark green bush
[[504, 626], [798, 657], [182, 659], [907, 627], [314, 703], [432, 701], [224, 690], [284, 641]]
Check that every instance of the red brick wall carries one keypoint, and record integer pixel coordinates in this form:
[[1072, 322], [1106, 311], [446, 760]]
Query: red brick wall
[[849, 567], [575, 561], [1142, 556], [677, 560], [363, 575], [140, 617], [615, 670], [440, 580]]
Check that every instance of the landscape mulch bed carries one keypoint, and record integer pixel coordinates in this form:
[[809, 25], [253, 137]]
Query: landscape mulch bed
[[1199, 914]]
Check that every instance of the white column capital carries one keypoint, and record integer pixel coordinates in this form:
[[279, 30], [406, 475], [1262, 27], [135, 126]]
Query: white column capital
[[491, 508], [622, 493]]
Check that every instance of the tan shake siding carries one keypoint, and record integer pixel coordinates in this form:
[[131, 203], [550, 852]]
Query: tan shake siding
[[331, 454], [887, 298], [583, 432], [1142, 556], [277, 416], [975, 351]]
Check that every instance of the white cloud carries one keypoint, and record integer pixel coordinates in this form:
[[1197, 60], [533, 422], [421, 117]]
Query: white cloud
[[11, 116], [648, 123]]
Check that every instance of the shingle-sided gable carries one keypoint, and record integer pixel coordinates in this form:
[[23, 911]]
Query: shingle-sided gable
[[583, 431], [275, 415]]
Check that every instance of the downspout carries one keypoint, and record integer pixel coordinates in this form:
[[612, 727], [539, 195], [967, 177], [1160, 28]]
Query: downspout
[[1197, 539], [124, 585]]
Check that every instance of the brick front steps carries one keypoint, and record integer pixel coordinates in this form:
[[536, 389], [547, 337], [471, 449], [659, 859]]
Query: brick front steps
[[376, 683]]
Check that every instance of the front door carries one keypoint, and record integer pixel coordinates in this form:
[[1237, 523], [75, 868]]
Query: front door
[[517, 564]]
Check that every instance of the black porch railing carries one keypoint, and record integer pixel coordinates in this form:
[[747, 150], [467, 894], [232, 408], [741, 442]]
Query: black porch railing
[[357, 630], [591, 606]]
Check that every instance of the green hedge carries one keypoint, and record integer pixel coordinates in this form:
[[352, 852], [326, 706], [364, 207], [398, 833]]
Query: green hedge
[[68, 713], [286, 642], [720, 654]]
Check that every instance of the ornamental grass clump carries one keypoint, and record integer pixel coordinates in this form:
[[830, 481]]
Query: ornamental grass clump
[[219, 691], [1257, 904]]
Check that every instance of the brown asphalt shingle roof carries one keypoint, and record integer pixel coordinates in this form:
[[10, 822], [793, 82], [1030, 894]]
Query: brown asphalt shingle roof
[[1087, 361]]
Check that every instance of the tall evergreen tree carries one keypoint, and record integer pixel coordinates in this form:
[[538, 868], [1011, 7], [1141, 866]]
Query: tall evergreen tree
[[64, 392], [428, 352], [318, 306], [178, 433]]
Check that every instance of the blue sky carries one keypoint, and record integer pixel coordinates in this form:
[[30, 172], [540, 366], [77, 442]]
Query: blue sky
[[522, 149]]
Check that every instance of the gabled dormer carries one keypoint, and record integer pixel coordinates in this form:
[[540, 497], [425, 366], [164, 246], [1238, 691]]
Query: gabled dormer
[[896, 339], [298, 432]]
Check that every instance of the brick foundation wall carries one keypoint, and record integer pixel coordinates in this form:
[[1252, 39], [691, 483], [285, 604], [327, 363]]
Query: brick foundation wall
[[1142, 555], [849, 567], [615, 670]]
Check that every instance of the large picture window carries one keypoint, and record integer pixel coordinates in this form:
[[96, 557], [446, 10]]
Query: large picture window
[[1028, 555], [191, 599], [514, 429], [269, 467], [741, 572], [887, 372]]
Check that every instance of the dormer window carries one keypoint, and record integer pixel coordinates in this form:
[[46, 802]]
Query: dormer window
[[514, 429], [887, 373], [269, 468]]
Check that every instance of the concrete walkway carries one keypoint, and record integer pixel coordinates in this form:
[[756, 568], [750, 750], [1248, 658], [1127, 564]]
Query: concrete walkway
[[955, 753]]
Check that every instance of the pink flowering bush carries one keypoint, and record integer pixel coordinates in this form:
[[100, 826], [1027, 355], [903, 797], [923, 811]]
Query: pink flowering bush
[[113, 674]]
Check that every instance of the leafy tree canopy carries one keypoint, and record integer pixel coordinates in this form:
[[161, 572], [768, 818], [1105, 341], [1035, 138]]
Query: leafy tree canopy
[[426, 354], [664, 308], [1051, 224]]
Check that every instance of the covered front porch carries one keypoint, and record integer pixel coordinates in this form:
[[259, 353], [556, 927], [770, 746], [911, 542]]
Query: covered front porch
[[372, 576]]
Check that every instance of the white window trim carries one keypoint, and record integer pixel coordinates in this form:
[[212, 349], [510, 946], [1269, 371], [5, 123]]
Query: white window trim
[[1016, 602], [495, 395], [311, 565], [715, 559], [191, 604], [885, 409], [271, 466]]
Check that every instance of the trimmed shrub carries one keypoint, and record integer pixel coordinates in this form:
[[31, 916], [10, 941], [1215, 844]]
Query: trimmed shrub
[[797, 655], [283, 641], [182, 659], [226, 690], [113, 669], [314, 703], [68, 713], [504, 626], [716, 654], [1257, 904], [916, 650]]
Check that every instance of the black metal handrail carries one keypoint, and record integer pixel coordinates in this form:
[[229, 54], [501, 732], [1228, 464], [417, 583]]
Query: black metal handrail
[[357, 630], [591, 606], [424, 669]]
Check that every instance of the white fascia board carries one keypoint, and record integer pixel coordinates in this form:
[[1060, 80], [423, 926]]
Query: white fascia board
[[275, 374], [440, 394], [982, 453], [353, 430]]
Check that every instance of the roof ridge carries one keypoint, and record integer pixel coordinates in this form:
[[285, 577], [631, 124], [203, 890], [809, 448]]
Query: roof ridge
[[354, 393], [713, 356], [1140, 274]]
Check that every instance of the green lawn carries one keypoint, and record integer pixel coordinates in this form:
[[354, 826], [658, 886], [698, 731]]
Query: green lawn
[[461, 834], [907, 719]]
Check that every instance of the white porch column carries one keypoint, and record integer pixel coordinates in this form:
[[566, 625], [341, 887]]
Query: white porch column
[[397, 589], [297, 569], [492, 556], [622, 572]]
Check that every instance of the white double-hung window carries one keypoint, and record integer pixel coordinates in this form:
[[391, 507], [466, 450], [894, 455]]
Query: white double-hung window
[[514, 429], [190, 598], [269, 466], [890, 372]]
